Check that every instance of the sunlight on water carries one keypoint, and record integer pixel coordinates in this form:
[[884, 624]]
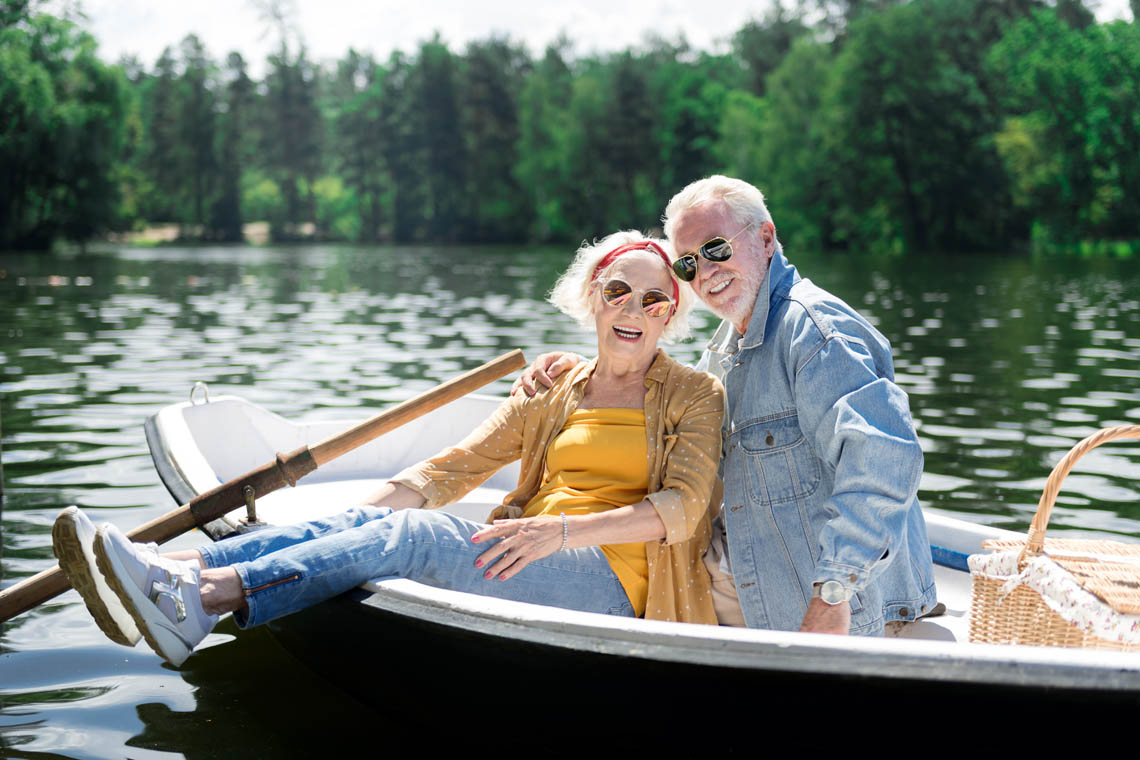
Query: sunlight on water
[[1008, 363]]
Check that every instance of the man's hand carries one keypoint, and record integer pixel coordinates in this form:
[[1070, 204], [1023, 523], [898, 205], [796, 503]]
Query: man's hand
[[544, 370], [822, 617]]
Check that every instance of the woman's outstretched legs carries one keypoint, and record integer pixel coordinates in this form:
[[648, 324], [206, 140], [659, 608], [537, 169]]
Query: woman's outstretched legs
[[301, 565], [174, 600], [221, 586]]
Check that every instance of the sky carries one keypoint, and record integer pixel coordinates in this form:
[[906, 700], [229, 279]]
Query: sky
[[330, 27]]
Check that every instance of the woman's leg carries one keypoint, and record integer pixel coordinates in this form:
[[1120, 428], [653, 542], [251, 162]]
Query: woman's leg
[[258, 543], [221, 589], [221, 592], [428, 546]]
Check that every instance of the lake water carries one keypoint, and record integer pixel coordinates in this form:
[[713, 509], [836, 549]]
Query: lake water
[[1008, 360]]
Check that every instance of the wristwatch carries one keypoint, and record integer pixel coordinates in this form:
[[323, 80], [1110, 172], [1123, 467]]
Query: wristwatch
[[831, 592]]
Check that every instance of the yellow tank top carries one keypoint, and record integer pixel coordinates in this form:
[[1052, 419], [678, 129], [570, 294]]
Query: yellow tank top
[[599, 462]]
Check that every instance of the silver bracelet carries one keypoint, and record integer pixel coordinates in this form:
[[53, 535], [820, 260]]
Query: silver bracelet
[[565, 531]]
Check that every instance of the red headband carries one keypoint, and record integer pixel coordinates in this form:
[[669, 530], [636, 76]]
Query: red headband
[[644, 245]]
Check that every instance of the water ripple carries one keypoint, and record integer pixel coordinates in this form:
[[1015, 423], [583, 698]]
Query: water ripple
[[1007, 362]]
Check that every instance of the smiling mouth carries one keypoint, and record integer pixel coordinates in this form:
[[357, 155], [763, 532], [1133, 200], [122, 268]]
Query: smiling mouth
[[719, 287], [627, 333]]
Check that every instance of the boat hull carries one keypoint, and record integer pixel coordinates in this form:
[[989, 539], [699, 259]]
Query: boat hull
[[397, 663], [398, 645]]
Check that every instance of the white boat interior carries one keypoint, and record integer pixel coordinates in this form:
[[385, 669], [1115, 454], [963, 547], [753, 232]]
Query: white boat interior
[[212, 442]]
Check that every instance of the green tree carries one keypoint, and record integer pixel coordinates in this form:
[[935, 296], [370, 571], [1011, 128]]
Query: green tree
[[492, 79], [627, 145], [197, 115], [291, 131], [356, 136], [910, 129], [163, 154], [235, 148], [398, 132], [14, 11], [781, 144], [543, 168], [761, 44], [691, 98], [1075, 13], [612, 148], [61, 129], [1076, 95], [839, 14], [134, 183], [434, 94]]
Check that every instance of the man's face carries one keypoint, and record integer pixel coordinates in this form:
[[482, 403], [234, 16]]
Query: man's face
[[728, 288]]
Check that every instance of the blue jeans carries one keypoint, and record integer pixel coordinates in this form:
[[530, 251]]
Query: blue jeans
[[288, 568]]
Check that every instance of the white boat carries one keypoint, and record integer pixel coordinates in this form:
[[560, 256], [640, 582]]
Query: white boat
[[391, 629]]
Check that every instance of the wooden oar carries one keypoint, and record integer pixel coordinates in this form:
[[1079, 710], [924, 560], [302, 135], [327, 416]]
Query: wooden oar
[[286, 469]]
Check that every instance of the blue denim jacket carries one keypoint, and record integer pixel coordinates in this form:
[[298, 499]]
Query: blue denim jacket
[[821, 462]]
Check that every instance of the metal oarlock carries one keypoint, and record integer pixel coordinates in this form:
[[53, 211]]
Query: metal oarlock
[[250, 520], [205, 392]]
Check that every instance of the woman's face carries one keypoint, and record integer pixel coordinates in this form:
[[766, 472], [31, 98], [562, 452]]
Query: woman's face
[[627, 332]]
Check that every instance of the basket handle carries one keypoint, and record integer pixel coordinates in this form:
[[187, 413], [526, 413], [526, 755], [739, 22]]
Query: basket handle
[[1036, 541]]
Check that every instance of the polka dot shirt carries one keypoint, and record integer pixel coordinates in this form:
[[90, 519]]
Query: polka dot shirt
[[684, 409]]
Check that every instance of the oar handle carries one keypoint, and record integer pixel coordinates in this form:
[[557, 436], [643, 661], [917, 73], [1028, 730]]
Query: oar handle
[[286, 469], [342, 443]]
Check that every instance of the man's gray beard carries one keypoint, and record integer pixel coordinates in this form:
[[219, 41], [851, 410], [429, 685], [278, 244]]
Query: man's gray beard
[[741, 310]]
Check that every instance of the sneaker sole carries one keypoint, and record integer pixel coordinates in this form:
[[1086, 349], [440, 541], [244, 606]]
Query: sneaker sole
[[79, 567], [153, 625]]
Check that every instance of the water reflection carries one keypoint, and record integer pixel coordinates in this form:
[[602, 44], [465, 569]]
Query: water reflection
[[1008, 362]]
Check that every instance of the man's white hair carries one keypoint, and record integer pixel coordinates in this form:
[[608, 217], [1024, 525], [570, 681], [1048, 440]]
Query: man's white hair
[[572, 293], [745, 202]]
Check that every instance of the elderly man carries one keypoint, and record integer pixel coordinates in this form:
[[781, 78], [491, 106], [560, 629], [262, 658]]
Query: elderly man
[[821, 462]]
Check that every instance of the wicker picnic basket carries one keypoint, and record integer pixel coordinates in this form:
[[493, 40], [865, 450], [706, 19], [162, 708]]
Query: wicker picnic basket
[[1058, 592]]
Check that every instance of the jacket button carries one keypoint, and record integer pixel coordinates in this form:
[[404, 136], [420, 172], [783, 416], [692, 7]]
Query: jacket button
[[746, 585], [905, 611], [738, 506], [853, 577], [769, 440]]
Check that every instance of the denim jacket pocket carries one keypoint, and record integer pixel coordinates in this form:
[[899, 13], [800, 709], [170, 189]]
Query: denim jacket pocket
[[785, 468]]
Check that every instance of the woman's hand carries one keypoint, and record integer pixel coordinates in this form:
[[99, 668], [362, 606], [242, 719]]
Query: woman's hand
[[522, 542]]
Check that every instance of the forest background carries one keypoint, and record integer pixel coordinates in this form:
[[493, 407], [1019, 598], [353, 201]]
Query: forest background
[[870, 124]]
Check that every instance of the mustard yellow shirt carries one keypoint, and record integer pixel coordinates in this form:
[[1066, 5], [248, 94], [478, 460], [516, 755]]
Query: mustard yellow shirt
[[683, 413], [596, 464]]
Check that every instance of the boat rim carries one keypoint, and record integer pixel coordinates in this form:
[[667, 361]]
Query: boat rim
[[712, 646]]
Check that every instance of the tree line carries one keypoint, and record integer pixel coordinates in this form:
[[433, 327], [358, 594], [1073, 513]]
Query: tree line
[[920, 125]]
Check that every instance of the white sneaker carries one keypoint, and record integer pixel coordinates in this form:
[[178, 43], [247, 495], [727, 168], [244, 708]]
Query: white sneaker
[[72, 537], [161, 594]]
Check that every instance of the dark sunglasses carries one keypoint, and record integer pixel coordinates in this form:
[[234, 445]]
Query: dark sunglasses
[[717, 249], [654, 302]]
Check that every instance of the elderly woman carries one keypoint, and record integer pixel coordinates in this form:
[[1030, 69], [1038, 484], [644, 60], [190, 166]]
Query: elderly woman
[[619, 464]]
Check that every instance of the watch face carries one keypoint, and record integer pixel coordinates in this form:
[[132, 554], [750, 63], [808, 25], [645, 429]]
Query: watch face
[[833, 592]]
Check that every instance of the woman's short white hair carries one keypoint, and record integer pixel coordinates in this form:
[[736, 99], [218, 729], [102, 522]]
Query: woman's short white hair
[[572, 293], [745, 202]]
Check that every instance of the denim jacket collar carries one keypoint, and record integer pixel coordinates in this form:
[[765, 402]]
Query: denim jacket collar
[[780, 277]]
